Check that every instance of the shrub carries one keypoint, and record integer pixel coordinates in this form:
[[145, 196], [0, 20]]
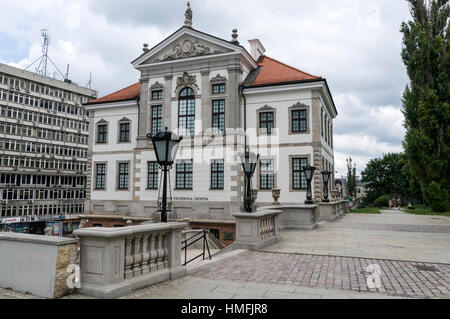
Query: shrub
[[382, 201]]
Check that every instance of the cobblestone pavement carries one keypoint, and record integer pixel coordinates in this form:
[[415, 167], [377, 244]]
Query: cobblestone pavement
[[398, 278]]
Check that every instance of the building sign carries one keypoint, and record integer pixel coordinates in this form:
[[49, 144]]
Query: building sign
[[191, 198]]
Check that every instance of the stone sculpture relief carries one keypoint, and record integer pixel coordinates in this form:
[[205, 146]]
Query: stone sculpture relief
[[187, 49]]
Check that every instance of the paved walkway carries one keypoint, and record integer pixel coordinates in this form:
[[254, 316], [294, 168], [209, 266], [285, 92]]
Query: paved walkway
[[391, 235]]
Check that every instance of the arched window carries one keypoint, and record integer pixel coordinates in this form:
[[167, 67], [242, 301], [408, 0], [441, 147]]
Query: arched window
[[186, 111]]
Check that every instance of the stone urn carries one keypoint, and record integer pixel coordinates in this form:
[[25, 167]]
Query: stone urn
[[276, 195], [334, 194]]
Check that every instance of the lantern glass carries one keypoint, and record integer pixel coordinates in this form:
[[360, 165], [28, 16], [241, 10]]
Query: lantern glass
[[166, 146], [309, 172], [326, 176], [249, 162]]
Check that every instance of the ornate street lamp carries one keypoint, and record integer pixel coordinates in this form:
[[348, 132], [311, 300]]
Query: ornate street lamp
[[325, 177], [166, 145], [249, 161], [309, 173]]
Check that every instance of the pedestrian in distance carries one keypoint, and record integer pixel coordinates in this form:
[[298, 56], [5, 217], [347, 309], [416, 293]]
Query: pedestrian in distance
[[390, 204], [399, 203]]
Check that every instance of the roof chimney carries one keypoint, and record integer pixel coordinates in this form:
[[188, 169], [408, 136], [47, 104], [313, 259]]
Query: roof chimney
[[256, 49]]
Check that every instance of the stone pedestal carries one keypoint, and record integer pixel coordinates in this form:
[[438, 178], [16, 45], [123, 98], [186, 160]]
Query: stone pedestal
[[116, 261], [256, 230], [296, 217]]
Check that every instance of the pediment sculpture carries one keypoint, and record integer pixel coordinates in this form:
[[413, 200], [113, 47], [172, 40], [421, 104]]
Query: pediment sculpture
[[187, 49]]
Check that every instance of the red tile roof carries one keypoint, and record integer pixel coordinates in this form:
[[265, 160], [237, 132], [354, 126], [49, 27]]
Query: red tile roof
[[273, 71], [128, 93]]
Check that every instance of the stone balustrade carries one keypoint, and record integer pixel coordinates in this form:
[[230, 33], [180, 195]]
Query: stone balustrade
[[257, 230], [296, 217], [333, 210], [116, 261]]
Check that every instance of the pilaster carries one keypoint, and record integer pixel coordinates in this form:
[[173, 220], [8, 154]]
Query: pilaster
[[142, 141]]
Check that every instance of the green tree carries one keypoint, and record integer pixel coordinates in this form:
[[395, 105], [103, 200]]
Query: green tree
[[385, 176], [426, 99]]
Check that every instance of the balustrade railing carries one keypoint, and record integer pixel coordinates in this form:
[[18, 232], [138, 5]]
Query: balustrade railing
[[267, 227], [115, 261], [145, 253]]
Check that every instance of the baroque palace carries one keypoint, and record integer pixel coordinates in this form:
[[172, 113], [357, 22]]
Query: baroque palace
[[212, 92]]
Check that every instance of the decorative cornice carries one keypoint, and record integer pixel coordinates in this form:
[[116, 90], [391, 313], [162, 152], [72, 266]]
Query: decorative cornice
[[218, 79], [186, 80], [266, 107], [124, 119]]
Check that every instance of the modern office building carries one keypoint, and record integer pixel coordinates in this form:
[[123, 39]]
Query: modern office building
[[208, 90], [43, 151]]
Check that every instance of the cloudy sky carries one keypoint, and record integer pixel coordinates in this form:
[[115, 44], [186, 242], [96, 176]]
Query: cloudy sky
[[355, 44]]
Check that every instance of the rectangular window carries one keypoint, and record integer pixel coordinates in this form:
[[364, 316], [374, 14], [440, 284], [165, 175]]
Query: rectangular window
[[152, 175], [299, 121], [298, 174], [217, 174], [186, 117], [123, 175], [102, 133], [267, 175], [100, 176], [184, 175], [266, 122], [156, 119], [157, 95], [124, 132], [218, 88], [218, 115]]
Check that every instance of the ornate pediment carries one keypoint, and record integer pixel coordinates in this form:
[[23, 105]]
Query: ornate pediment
[[298, 104], [157, 86], [187, 49], [218, 79], [186, 80]]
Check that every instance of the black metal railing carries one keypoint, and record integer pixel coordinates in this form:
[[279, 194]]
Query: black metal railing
[[201, 236]]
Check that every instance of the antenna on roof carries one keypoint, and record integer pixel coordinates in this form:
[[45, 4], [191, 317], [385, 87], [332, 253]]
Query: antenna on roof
[[67, 72], [89, 84], [44, 58]]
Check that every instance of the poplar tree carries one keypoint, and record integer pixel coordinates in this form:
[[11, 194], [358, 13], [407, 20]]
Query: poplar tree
[[426, 99]]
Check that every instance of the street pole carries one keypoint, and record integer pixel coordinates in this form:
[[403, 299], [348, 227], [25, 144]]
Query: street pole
[[164, 198]]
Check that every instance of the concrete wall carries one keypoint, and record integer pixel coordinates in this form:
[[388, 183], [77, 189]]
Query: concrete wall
[[36, 264]]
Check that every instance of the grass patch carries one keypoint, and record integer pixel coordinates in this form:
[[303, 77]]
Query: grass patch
[[366, 210], [422, 210]]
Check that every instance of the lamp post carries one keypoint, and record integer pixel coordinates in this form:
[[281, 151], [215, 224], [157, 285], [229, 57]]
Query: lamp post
[[249, 161], [166, 145], [325, 177], [309, 173]]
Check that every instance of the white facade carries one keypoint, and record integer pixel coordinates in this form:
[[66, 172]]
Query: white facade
[[198, 61]]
